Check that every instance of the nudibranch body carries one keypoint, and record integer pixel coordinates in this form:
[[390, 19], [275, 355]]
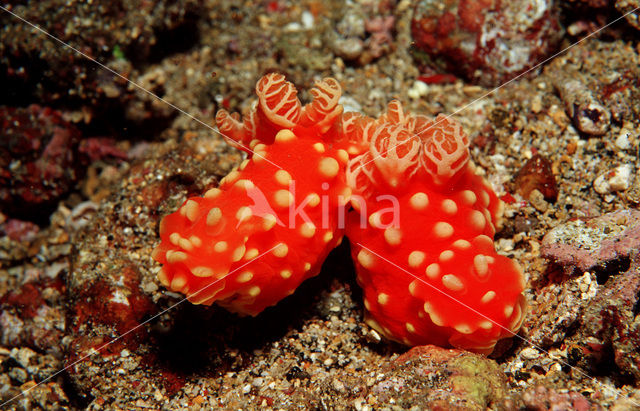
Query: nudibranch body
[[271, 223], [421, 225], [422, 237]]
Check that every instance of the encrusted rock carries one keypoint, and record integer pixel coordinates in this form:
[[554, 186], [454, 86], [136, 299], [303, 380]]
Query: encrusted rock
[[593, 315], [38, 66], [542, 398], [623, 6], [610, 327], [38, 158], [438, 378], [594, 242], [487, 42]]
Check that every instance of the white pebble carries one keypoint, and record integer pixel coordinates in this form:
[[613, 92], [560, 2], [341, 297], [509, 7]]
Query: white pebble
[[622, 141], [307, 20], [617, 179], [529, 353], [417, 90]]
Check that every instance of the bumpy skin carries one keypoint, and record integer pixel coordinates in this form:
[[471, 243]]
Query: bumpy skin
[[432, 275], [287, 217]]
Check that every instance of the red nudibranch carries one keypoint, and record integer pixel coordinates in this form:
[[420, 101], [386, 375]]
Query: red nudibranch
[[209, 246], [427, 265]]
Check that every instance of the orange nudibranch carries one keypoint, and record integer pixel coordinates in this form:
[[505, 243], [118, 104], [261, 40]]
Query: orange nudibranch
[[425, 259], [270, 223], [428, 266]]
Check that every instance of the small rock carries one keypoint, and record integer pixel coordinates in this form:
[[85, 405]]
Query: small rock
[[588, 114], [110, 90], [529, 353], [536, 198], [350, 104], [339, 386], [18, 230], [536, 174], [297, 373], [622, 141], [417, 90], [149, 287], [633, 193], [349, 49], [505, 245], [23, 356], [18, 375], [351, 25], [536, 104], [307, 20], [617, 179], [525, 223]]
